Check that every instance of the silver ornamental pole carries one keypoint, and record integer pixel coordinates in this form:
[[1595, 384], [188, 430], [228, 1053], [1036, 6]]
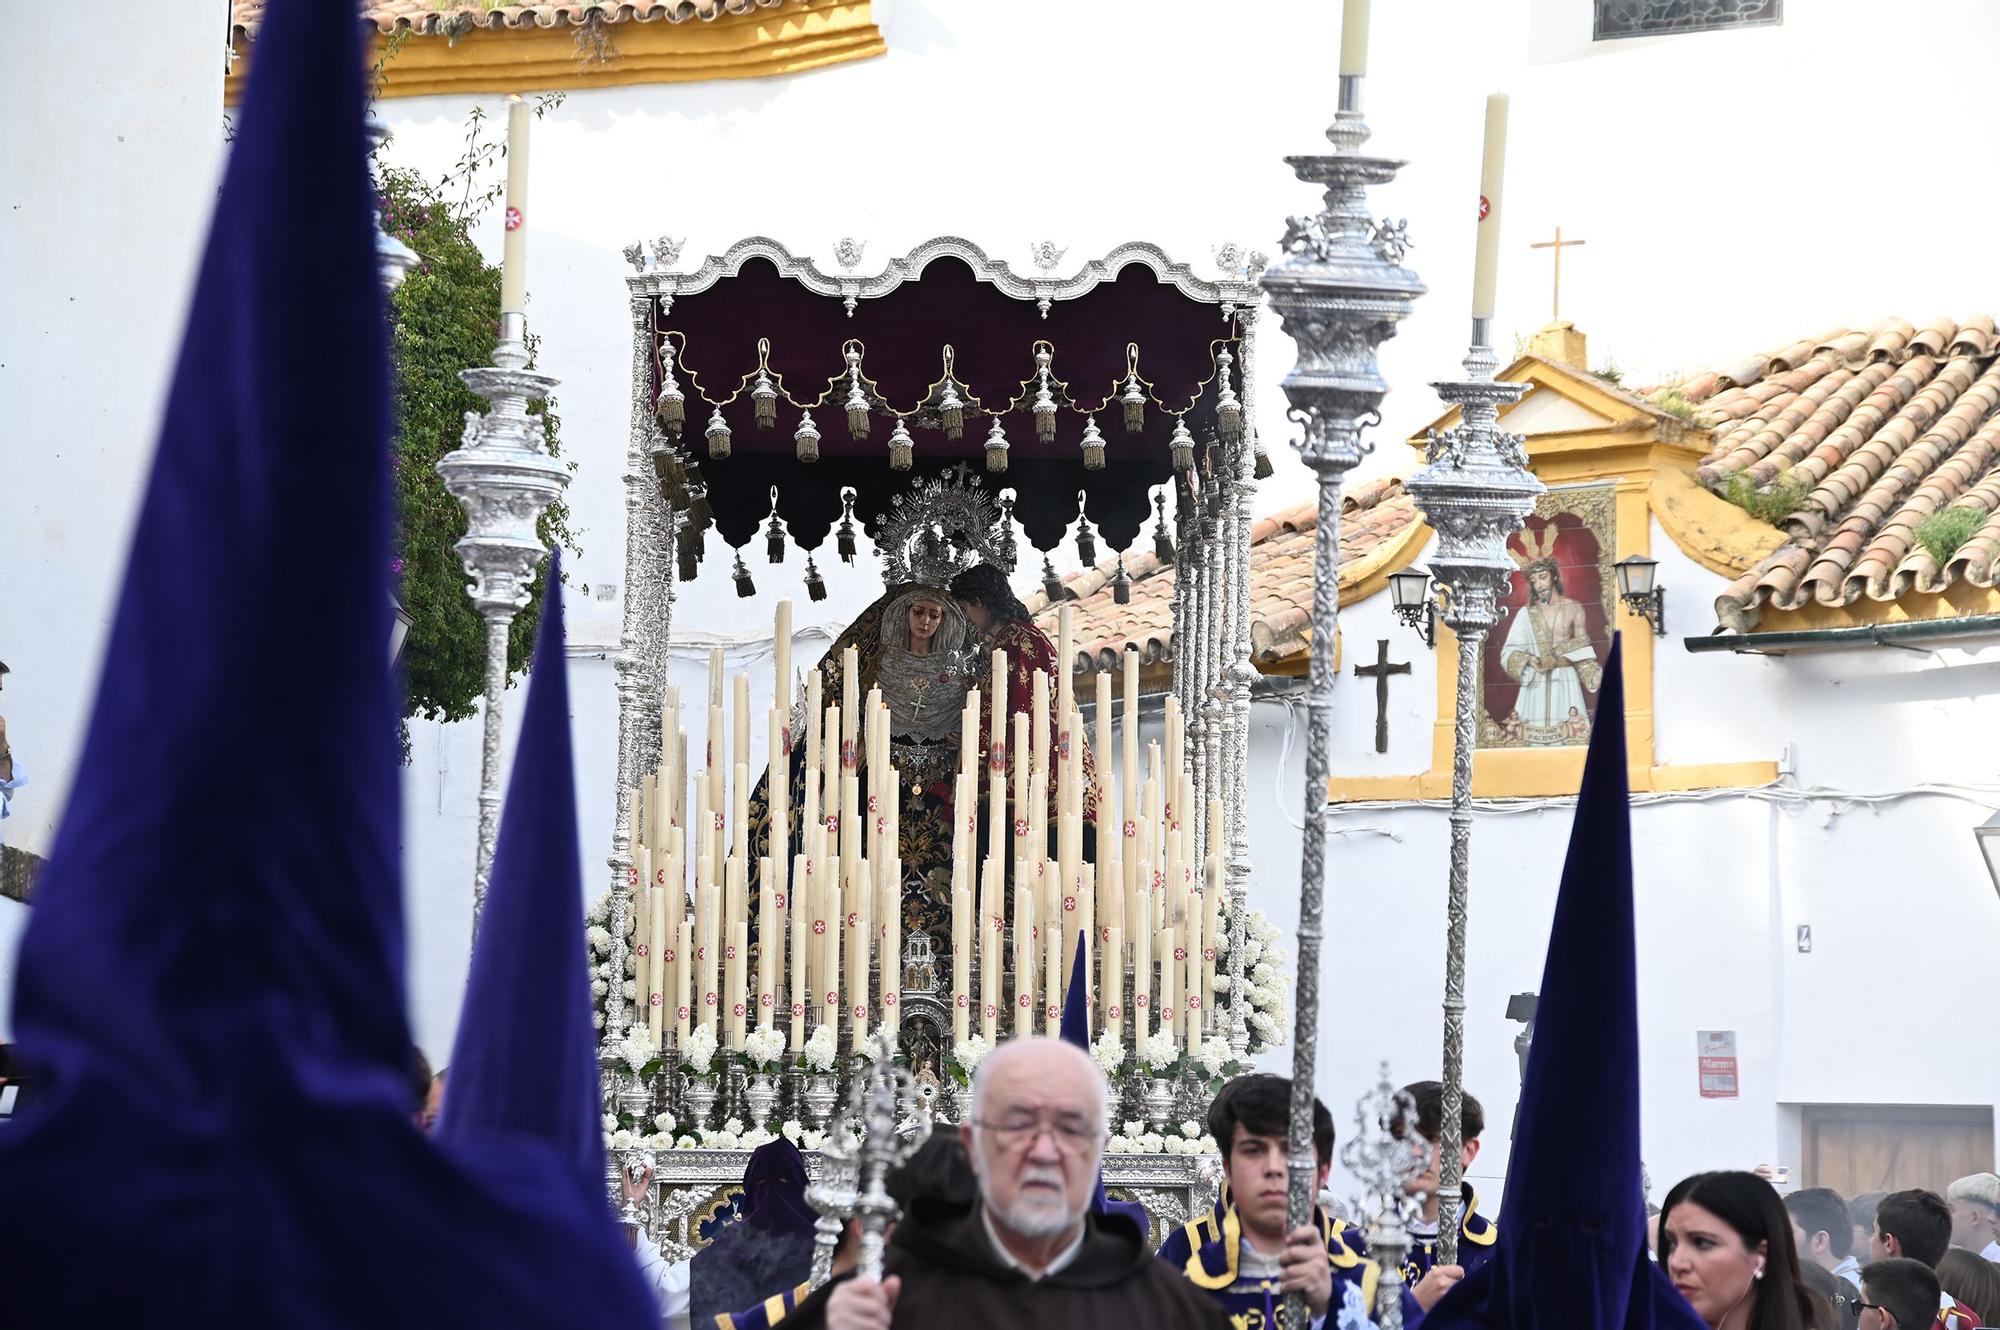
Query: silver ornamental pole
[[505, 479], [1339, 291], [1475, 490]]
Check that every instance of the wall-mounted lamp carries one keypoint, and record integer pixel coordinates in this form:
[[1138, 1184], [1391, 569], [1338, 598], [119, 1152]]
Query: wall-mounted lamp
[[1636, 589], [1416, 607], [1988, 835], [399, 630]]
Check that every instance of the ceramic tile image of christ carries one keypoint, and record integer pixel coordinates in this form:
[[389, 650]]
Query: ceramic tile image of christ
[[1544, 658]]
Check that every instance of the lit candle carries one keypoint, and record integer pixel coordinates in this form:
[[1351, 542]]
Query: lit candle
[[1492, 168], [1354, 39], [514, 249]]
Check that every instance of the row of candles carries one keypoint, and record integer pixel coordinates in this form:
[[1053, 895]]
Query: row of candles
[[830, 913]]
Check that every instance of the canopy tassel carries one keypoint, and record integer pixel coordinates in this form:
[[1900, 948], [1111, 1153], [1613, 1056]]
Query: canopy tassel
[[718, 435], [996, 447], [1228, 411], [1086, 543], [774, 532], [744, 586], [1093, 445], [902, 448], [1045, 401], [1163, 536], [1134, 396], [807, 438], [1183, 445], [857, 399], [1121, 584], [815, 584]]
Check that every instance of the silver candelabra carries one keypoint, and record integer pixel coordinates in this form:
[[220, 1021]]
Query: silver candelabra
[[1475, 490], [505, 479], [1385, 1153], [1340, 290]]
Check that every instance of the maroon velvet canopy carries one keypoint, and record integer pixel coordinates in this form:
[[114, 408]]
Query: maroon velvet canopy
[[710, 340]]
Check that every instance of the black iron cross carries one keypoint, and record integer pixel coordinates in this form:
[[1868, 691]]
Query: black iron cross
[[1380, 672]]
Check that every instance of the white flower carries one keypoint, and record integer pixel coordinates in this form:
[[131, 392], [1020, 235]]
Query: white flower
[[621, 1139], [792, 1130], [719, 1140], [631, 991], [812, 1140], [1153, 1143], [597, 1020], [1222, 982], [700, 1050], [604, 971], [636, 1047], [819, 1049], [1108, 1053], [755, 1137], [971, 1053], [734, 1126], [1190, 1128], [659, 1140], [765, 1046], [665, 1122], [599, 987], [598, 938], [1158, 1049], [685, 1143], [1213, 1055], [1120, 1145], [1134, 1127], [611, 1122]]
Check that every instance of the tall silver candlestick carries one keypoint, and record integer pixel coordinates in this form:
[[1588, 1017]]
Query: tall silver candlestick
[[1475, 490], [1340, 290], [1385, 1153], [505, 479]]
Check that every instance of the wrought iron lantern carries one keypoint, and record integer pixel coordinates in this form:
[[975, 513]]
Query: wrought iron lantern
[[1636, 589], [1416, 607]]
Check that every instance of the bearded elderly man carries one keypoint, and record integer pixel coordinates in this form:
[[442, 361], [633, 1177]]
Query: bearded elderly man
[[1029, 1253]]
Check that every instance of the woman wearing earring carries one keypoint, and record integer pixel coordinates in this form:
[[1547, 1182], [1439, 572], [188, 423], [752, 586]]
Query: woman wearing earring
[[1726, 1243]]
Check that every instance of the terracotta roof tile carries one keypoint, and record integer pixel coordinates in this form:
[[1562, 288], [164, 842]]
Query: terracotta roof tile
[[453, 18], [1281, 576], [1877, 429]]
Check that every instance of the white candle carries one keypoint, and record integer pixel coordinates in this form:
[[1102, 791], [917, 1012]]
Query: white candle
[[961, 952], [1492, 169], [801, 931], [1354, 39], [514, 249], [781, 633]]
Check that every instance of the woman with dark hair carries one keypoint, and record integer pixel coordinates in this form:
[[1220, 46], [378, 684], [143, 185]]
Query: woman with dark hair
[[1973, 1280], [1726, 1243], [1004, 624]]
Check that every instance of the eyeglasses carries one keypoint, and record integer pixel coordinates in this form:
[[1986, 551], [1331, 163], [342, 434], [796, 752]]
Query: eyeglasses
[[1073, 1136], [1861, 1306]]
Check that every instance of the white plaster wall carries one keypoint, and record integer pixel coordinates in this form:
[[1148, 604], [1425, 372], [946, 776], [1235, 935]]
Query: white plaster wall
[[107, 168], [1881, 864]]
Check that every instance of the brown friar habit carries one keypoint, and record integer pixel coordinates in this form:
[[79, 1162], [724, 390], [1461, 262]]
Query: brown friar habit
[[952, 1277]]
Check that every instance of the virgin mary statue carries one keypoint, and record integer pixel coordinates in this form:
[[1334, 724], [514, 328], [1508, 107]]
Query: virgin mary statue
[[912, 644]]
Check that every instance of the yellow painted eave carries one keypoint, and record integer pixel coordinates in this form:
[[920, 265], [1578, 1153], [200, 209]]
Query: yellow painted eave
[[761, 44]]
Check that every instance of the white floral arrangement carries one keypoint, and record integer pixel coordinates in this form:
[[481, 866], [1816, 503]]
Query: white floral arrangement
[[819, 1050], [597, 952], [636, 1049], [765, 1047], [804, 1137], [1267, 987], [1160, 1051], [969, 1054], [1136, 1139], [1109, 1055], [885, 1034], [699, 1054]]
